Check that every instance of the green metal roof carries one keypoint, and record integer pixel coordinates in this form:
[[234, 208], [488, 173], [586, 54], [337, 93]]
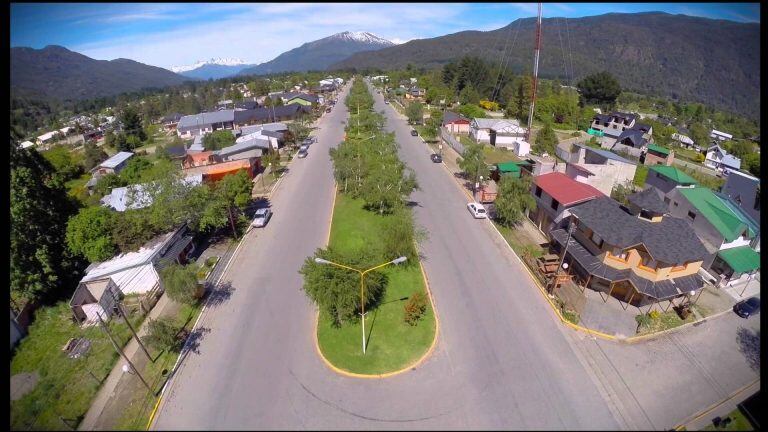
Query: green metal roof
[[658, 149], [674, 174], [741, 259], [595, 132], [728, 223], [508, 167]]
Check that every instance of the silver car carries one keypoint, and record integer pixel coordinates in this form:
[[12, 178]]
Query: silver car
[[261, 217]]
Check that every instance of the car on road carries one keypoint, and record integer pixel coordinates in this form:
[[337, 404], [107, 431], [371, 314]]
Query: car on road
[[302, 154], [304, 148], [307, 142], [261, 217], [477, 210], [414, 132], [386, 102], [328, 109], [436, 158], [745, 308]]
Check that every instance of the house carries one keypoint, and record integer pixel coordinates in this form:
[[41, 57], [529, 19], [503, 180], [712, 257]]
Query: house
[[303, 99], [127, 273], [200, 124], [137, 196], [500, 133], [26, 144], [269, 115], [602, 169], [176, 152], [682, 138], [216, 171], [555, 195], [720, 136], [657, 155], [455, 123], [635, 254], [415, 93], [47, 137], [197, 145], [225, 104], [744, 189], [198, 159], [515, 169], [246, 149], [719, 159], [664, 179], [171, 121], [113, 165], [613, 124], [265, 136], [720, 224], [246, 105]]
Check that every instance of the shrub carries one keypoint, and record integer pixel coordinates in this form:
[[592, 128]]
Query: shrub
[[162, 335], [180, 283], [414, 308], [575, 134], [654, 315]]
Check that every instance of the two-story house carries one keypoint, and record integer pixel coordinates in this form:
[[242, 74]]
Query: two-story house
[[613, 124], [718, 158], [597, 167], [500, 133], [555, 194], [721, 225], [664, 179], [199, 124], [636, 254], [744, 189]]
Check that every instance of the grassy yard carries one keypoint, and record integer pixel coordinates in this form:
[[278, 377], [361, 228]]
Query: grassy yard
[[663, 321], [493, 155], [738, 423], [136, 415], [65, 387], [640, 175], [686, 153], [391, 343]]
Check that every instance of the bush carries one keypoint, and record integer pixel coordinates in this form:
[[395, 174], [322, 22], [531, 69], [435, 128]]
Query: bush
[[654, 314], [414, 308], [575, 134], [163, 335], [180, 283]]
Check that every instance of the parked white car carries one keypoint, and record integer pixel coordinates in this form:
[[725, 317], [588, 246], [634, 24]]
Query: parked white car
[[261, 217], [477, 210]]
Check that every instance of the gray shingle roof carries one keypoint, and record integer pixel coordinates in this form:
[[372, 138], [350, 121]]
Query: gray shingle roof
[[659, 290], [605, 153], [671, 240], [206, 118], [634, 136], [648, 200]]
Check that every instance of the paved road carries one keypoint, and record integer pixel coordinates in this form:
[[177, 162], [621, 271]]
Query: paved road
[[501, 361]]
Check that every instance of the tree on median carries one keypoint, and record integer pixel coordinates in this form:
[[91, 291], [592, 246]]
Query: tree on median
[[336, 291], [415, 112], [180, 283]]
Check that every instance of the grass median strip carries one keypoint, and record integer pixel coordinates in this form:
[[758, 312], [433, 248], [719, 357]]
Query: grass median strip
[[392, 343]]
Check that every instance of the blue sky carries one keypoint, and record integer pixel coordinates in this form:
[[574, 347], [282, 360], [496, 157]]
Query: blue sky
[[175, 34]]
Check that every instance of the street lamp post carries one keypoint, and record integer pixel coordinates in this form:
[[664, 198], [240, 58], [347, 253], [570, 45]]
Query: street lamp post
[[362, 283]]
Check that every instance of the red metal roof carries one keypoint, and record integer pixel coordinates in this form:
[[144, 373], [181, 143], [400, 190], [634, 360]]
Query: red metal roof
[[566, 190]]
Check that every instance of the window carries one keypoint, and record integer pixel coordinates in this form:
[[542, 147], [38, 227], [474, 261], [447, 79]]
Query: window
[[680, 267], [554, 204], [674, 203], [645, 214], [597, 239], [692, 215], [538, 192], [618, 254], [666, 200]]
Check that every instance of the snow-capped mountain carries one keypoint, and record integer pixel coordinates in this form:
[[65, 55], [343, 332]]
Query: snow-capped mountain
[[319, 54], [214, 68], [213, 61]]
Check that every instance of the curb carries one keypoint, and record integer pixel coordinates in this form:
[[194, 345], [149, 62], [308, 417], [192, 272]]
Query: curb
[[714, 406]]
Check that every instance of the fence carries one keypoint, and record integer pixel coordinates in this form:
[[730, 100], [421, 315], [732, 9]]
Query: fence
[[449, 139]]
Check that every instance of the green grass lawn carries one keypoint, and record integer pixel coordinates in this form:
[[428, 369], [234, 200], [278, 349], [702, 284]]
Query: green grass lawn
[[65, 388], [136, 415], [640, 175], [392, 344], [665, 321], [738, 423]]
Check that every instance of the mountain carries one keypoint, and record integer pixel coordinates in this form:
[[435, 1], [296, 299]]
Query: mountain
[[55, 72], [214, 68], [716, 62], [318, 55]]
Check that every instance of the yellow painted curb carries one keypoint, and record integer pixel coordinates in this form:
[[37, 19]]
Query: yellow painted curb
[[154, 410], [716, 405], [387, 374]]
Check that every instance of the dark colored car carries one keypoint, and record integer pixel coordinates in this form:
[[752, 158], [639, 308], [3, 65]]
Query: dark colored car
[[745, 308], [414, 133], [436, 158]]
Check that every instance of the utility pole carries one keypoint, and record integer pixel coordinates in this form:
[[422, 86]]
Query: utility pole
[[120, 351], [128, 323], [535, 74]]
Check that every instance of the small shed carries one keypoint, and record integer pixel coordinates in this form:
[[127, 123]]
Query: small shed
[[93, 298]]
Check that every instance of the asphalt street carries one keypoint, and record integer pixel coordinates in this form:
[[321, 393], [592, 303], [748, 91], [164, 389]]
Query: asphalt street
[[502, 360]]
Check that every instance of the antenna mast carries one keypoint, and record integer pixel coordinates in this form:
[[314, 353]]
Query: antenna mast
[[535, 74]]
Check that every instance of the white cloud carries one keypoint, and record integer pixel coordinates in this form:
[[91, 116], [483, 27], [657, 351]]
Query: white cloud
[[260, 32]]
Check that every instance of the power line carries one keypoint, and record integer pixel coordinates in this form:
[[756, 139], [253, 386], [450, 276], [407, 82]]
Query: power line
[[560, 37], [505, 62], [570, 51]]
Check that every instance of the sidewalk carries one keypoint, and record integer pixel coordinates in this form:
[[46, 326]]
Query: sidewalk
[[110, 391]]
